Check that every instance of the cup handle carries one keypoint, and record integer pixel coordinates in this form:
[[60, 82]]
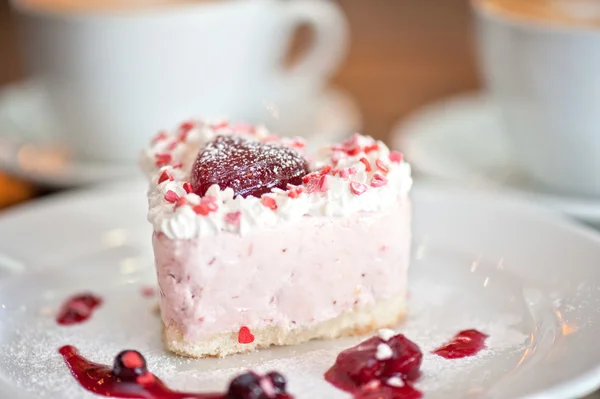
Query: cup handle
[[330, 38]]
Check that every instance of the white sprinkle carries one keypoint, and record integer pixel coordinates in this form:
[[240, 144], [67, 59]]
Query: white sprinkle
[[384, 352], [395, 382], [385, 334]]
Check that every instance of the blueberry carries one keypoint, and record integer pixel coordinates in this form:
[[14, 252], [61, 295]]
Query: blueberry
[[278, 381], [129, 364], [246, 386]]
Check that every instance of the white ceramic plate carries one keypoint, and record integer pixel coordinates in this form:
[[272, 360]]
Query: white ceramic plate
[[27, 147], [527, 277], [461, 139]]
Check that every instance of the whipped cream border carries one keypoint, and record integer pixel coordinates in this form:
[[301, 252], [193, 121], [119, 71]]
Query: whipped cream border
[[358, 175]]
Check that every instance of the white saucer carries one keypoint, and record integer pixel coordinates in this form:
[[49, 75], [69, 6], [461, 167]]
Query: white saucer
[[461, 139], [26, 133], [524, 275]]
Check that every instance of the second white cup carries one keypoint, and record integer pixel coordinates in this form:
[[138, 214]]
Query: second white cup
[[546, 81]]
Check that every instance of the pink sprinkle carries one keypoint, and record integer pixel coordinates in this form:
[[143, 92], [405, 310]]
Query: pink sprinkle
[[396, 156], [269, 202], [172, 145], [383, 167], [171, 196], [159, 137], [378, 180], [243, 128], [233, 218], [312, 185], [298, 144], [178, 166], [187, 187], [164, 176], [358, 188], [162, 159], [367, 164], [148, 291], [323, 183], [344, 173], [220, 125]]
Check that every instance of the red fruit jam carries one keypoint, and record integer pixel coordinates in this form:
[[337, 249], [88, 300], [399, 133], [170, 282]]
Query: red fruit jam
[[248, 167], [368, 372], [129, 378], [78, 309], [465, 343]]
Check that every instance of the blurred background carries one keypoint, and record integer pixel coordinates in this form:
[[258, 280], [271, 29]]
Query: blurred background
[[403, 54], [480, 93]]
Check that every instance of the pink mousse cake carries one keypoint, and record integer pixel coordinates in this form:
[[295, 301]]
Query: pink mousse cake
[[258, 244]]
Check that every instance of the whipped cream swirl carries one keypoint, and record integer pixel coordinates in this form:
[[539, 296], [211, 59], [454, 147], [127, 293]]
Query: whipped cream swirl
[[358, 175]]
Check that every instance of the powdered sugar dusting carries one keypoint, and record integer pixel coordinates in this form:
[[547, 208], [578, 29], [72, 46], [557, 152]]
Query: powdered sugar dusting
[[29, 341]]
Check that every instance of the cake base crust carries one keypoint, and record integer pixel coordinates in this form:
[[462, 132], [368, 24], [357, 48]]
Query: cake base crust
[[356, 321]]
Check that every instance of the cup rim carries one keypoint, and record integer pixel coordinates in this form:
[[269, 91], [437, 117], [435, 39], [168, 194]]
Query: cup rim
[[123, 13], [533, 24]]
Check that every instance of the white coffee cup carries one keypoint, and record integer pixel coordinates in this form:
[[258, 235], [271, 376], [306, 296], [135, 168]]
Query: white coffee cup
[[545, 78], [114, 78]]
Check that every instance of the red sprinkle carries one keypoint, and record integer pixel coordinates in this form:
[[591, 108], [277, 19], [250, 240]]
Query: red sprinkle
[[159, 137], [163, 159], [207, 205], [184, 129], [325, 170], [383, 167], [201, 209], [233, 218], [357, 188], [353, 151], [269, 202], [323, 183], [178, 166], [378, 180], [396, 156], [164, 176], [371, 148], [181, 201], [309, 177], [367, 164], [187, 187], [245, 336], [171, 196]]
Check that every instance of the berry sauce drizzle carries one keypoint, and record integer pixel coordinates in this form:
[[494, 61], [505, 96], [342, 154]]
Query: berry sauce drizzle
[[378, 368], [129, 378], [78, 309], [465, 343]]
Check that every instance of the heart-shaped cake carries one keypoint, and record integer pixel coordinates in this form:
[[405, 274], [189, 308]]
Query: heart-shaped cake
[[250, 168]]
